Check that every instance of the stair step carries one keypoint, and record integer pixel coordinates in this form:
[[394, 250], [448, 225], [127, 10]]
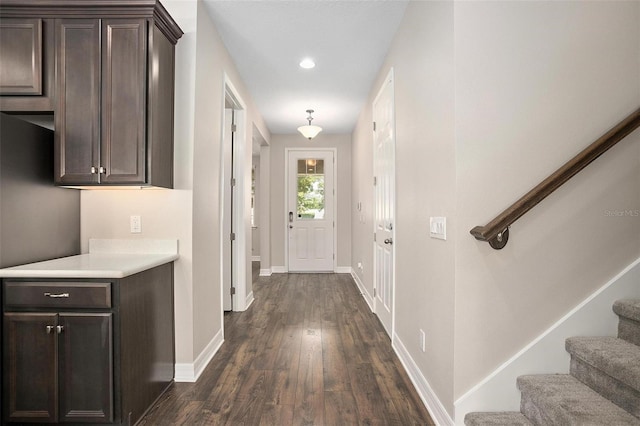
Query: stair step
[[502, 418], [560, 399], [610, 366], [629, 324], [628, 308]]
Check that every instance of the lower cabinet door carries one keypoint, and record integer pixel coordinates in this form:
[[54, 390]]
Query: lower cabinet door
[[85, 367], [29, 370]]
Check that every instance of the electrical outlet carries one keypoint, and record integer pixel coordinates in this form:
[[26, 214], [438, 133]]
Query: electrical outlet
[[423, 341], [136, 224]]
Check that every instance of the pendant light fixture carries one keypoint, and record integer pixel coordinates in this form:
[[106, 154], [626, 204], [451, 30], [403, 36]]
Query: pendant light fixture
[[309, 131]]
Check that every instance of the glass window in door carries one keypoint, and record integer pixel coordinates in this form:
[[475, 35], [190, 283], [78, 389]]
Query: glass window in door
[[310, 189]]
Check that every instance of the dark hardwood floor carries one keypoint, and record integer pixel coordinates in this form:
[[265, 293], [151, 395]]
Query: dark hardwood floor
[[307, 352]]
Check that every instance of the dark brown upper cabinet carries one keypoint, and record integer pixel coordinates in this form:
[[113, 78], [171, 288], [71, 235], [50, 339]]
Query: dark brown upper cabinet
[[114, 80], [27, 64], [101, 114]]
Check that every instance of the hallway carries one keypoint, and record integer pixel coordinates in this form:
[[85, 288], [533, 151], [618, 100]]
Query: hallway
[[308, 351]]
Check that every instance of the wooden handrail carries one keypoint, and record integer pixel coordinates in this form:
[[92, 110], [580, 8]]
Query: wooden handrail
[[496, 232]]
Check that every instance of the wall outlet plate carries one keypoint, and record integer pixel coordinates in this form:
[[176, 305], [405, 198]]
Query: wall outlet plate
[[136, 224]]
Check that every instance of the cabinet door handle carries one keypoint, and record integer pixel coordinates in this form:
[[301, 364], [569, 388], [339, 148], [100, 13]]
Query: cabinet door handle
[[102, 170], [56, 296], [94, 170], [49, 329], [59, 329]]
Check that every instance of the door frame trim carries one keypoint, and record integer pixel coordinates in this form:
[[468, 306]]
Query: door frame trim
[[389, 78], [286, 205]]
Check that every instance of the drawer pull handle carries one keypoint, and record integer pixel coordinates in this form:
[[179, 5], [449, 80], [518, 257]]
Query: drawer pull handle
[[57, 296]]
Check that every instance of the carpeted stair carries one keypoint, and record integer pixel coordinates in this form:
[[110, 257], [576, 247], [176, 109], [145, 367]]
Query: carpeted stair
[[602, 389]]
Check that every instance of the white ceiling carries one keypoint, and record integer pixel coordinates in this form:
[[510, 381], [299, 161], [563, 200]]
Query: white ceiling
[[348, 39]]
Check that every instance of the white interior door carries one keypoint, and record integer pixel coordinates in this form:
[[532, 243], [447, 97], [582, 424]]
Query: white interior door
[[227, 212], [384, 203], [310, 217]]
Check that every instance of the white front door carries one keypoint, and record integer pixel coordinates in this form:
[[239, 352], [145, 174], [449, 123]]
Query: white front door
[[384, 202], [310, 203]]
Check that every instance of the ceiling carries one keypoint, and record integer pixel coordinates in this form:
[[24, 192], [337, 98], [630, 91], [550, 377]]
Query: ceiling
[[348, 40]]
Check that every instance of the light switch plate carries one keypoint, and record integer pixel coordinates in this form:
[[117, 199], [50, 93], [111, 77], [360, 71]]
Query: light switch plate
[[438, 227]]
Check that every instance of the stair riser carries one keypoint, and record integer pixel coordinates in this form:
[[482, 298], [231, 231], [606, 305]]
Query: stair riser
[[533, 412], [619, 393], [629, 330]]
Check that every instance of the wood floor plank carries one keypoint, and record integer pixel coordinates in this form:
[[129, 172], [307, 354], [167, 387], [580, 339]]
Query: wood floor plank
[[369, 400], [340, 408], [336, 373], [308, 351], [309, 403], [249, 404], [274, 414]]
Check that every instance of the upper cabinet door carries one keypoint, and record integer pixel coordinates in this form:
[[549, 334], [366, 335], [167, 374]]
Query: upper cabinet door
[[77, 117], [21, 65], [124, 76]]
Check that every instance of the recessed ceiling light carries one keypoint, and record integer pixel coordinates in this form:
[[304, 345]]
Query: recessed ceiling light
[[307, 63]]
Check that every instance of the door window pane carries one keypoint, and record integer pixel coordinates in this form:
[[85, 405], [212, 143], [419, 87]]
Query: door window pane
[[310, 189]]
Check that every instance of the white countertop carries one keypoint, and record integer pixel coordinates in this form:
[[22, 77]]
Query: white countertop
[[106, 259]]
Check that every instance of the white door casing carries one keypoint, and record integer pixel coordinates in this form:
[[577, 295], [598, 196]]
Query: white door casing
[[384, 203], [310, 216]]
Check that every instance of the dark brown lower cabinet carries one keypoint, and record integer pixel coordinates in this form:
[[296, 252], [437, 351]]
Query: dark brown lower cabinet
[[59, 367], [82, 351], [85, 367], [30, 372]]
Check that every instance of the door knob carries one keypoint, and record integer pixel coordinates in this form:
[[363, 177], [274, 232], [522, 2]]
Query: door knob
[[388, 241]]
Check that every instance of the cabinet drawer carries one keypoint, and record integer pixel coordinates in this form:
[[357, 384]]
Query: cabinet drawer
[[57, 294]]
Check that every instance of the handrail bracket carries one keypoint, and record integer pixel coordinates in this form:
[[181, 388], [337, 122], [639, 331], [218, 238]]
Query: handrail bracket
[[499, 241]]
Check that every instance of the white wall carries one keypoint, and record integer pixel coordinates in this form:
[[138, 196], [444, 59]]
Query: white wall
[[191, 211], [343, 192], [491, 97], [535, 84], [422, 59]]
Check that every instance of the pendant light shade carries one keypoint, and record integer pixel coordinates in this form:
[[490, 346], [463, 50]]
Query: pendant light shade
[[309, 131]]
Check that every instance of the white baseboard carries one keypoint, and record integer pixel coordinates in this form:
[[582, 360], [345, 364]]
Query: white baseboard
[[546, 354], [365, 294], [265, 272], [255, 258], [249, 300], [190, 372], [279, 270], [342, 269], [429, 399]]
